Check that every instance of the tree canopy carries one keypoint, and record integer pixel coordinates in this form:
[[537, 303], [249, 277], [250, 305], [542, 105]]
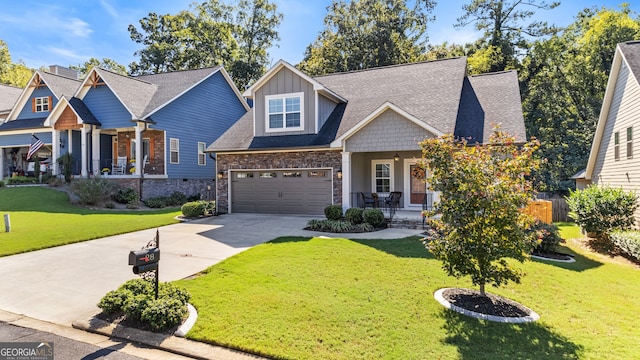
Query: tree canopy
[[563, 81], [211, 33], [363, 34], [504, 30], [16, 74], [481, 224], [105, 63]]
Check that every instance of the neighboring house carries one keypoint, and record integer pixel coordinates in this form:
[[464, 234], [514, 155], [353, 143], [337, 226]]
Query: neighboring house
[[615, 157], [311, 142], [8, 96], [166, 119]]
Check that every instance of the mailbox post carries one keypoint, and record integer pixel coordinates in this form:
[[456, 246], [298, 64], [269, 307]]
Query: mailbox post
[[147, 260]]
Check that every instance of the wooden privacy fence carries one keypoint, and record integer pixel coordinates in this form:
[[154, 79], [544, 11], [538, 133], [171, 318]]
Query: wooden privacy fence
[[551, 209]]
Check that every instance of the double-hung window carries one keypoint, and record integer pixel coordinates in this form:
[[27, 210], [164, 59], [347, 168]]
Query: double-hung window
[[616, 146], [202, 158], [382, 176], [174, 151], [629, 142], [285, 112]]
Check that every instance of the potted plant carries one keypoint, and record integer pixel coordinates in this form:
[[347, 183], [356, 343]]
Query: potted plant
[[106, 171]]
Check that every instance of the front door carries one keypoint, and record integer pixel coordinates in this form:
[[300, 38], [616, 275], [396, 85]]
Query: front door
[[415, 185]]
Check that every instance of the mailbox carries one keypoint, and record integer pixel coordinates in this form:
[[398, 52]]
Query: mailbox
[[142, 260]]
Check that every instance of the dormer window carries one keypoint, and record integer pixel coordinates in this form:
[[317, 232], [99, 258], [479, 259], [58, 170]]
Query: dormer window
[[42, 104], [285, 112]]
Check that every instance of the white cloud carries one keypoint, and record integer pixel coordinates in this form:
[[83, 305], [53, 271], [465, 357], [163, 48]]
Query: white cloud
[[68, 55], [109, 9], [48, 20], [453, 36]]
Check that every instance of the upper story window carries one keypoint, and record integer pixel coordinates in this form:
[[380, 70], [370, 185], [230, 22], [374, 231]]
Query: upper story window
[[285, 112], [629, 142], [42, 104], [616, 146]]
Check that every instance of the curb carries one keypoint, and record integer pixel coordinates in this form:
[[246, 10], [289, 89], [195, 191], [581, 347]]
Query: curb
[[176, 345]]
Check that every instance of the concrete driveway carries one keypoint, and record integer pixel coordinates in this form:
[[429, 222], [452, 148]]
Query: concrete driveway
[[65, 283]]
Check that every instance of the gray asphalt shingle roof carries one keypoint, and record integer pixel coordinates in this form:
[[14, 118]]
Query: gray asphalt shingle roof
[[631, 52], [60, 85], [144, 94], [83, 111], [23, 124], [8, 97], [437, 92]]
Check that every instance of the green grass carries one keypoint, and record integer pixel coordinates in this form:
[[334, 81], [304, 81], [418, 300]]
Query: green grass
[[319, 298], [43, 218]]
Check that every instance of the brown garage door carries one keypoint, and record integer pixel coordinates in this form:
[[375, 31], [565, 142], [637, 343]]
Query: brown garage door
[[293, 191]]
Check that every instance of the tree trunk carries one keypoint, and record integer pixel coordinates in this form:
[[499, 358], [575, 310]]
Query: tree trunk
[[482, 290]]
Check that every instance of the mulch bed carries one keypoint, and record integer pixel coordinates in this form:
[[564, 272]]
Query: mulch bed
[[553, 255], [490, 304]]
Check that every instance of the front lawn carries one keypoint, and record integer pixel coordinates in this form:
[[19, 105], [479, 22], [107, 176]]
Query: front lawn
[[42, 217], [320, 298]]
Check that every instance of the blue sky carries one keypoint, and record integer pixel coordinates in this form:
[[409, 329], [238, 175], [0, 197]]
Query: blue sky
[[69, 32]]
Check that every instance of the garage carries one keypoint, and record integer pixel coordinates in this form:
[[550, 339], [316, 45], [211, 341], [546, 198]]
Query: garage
[[294, 191]]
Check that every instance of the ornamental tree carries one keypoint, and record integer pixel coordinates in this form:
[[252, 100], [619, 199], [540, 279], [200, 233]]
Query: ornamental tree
[[483, 189]]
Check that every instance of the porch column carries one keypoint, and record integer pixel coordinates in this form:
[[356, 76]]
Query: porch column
[[95, 150], [83, 152], [70, 141], [1, 164], [55, 151], [139, 159], [346, 180]]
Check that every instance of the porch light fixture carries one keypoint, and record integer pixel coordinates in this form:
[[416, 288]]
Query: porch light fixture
[[220, 175], [339, 174], [61, 145], [396, 157]]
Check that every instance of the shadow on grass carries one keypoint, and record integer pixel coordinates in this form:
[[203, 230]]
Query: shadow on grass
[[289, 239], [409, 247], [582, 263], [480, 339]]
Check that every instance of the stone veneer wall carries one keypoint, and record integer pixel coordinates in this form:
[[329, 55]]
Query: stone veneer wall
[[165, 187], [283, 160]]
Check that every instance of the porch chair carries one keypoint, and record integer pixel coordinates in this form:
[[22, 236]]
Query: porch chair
[[119, 167], [367, 200], [393, 200]]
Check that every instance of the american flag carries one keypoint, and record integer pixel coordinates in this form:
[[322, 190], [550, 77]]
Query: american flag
[[36, 144]]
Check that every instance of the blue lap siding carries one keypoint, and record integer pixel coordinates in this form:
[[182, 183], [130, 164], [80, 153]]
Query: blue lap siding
[[27, 111], [106, 107], [200, 115]]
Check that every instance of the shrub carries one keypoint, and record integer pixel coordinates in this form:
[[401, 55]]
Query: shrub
[[177, 199], [55, 182], [354, 215], [628, 242], [66, 163], [110, 205], [135, 299], [546, 235], [315, 224], [364, 227], [114, 301], [157, 202], [194, 197], [339, 226], [126, 196], [194, 208], [21, 180], [373, 217], [1, 183], [602, 209], [46, 177], [333, 212], [163, 313], [92, 191]]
